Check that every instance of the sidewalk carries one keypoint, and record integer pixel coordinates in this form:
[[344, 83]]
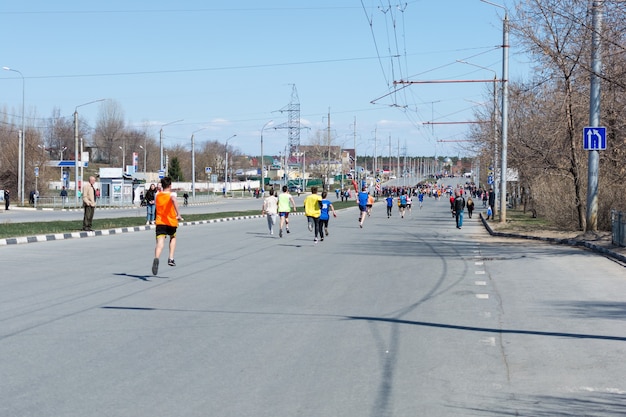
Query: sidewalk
[[600, 242]]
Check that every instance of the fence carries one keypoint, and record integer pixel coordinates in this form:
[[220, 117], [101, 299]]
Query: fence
[[108, 202], [618, 227]]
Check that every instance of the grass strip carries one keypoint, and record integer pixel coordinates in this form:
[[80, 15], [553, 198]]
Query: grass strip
[[10, 230]]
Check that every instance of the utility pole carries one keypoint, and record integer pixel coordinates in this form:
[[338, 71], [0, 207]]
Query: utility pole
[[390, 163], [398, 171], [591, 223], [328, 162], [505, 114], [355, 176]]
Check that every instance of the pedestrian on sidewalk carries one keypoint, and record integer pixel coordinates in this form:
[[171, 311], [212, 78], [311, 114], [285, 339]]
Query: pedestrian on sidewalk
[[89, 203], [470, 207]]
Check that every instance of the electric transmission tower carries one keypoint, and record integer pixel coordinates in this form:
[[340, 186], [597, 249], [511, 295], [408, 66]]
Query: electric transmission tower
[[293, 123]]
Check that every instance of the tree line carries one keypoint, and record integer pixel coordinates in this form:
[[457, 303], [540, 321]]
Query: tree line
[[547, 112]]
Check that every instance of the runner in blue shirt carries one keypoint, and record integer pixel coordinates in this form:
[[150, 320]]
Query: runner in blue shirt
[[389, 201], [402, 199], [326, 206], [362, 200]]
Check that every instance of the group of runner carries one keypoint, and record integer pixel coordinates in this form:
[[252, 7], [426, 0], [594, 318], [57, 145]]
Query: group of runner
[[317, 209]]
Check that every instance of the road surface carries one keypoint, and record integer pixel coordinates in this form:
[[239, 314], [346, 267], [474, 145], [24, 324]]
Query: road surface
[[405, 317]]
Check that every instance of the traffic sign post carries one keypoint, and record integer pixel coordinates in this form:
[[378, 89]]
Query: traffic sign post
[[594, 138]]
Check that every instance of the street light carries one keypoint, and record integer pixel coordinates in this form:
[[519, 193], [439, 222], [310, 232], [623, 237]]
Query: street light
[[21, 145], [226, 166], [76, 146], [505, 107], [63, 149], [262, 157], [193, 164], [144, 159], [123, 159], [161, 166]]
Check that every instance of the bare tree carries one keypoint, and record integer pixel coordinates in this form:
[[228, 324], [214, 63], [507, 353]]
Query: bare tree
[[110, 130], [558, 44], [59, 135]]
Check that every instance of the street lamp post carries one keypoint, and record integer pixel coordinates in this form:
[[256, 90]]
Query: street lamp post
[[21, 142], [76, 146], [63, 149], [226, 166], [193, 164], [262, 157], [161, 166], [123, 159], [144, 159]]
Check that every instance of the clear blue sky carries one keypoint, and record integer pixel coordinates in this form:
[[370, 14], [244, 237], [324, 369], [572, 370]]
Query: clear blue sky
[[227, 66]]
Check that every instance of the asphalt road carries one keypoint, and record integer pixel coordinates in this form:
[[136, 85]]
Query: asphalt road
[[405, 317]]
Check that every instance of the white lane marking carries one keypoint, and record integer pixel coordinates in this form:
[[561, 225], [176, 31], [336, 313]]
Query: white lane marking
[[480, 282], [482, 296], [489, 341], [479, 263], [479, 272]]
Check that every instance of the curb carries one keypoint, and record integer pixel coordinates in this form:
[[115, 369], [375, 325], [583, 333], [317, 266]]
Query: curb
[[108, 232], [569, 242]]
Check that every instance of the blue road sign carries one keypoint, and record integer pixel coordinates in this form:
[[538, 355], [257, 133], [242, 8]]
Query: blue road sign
[[66, 164], [161, 173], [490, 179], [594, 138], [207, 170]]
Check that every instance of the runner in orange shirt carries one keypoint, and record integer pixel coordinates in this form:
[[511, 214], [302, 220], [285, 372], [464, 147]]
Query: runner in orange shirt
[[167, 217]]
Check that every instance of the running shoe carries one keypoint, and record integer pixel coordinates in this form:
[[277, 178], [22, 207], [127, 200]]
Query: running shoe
[[310, 227], [315, 241], [287, 230], [171, 262], [280, 233], [326, 231], [155, 266]]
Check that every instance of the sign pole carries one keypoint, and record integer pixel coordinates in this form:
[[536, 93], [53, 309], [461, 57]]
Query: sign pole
[[591, 223]]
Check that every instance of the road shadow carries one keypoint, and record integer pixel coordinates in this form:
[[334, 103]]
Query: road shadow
[[587, 403], [488, 329], [141, 277], [594, 309]]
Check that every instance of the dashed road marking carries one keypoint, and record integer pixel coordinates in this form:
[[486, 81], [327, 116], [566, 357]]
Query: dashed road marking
[[489, 341]]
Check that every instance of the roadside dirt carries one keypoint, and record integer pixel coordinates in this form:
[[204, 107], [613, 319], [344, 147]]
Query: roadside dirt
[[600, 239]]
